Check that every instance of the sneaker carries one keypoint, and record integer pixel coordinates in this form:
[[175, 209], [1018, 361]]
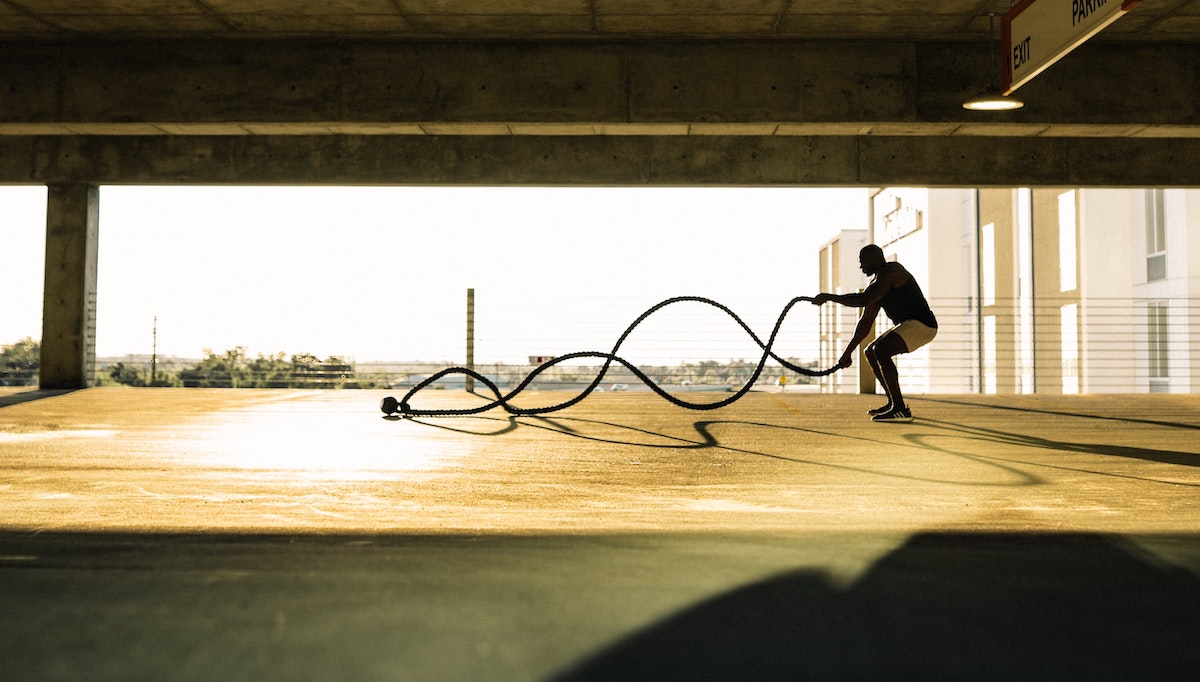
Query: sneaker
[[882, 409], [896, 415]]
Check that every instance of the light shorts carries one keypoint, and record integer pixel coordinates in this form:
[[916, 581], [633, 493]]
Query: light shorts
[[914, 333]]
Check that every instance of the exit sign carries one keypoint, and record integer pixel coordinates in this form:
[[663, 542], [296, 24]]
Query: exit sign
[[1036, 33]]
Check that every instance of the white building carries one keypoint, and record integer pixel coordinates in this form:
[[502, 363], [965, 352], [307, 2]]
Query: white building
[[1042, 290], [838, 273]]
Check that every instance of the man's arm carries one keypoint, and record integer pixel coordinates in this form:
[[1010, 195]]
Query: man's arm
[[874, 292], [861, 330], [857, 300]]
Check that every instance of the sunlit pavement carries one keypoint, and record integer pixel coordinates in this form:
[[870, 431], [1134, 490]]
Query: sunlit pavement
[[210, 534]]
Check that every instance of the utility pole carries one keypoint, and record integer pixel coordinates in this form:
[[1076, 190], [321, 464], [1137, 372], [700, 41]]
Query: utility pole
[[470, 381], [154, 354]]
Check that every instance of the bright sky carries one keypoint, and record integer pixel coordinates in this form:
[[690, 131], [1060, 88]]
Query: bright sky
[[380, 273]]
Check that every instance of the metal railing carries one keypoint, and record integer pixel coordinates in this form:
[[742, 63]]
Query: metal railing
[[1054, 345]]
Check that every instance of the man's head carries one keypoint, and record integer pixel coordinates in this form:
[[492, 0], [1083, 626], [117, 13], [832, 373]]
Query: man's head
[[871, 259]]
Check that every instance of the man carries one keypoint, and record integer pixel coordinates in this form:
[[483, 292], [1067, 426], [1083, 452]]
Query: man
[[895, 291]]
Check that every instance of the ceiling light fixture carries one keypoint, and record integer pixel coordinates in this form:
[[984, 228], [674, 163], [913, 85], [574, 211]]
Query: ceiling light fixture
[[993, 99]]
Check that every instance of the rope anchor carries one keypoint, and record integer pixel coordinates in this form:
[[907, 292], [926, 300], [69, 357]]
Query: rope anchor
[[391, 406]]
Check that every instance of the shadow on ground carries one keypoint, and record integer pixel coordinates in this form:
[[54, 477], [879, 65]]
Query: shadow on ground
[[986, 435], [941, 607], [1062, 413], [31, 395]]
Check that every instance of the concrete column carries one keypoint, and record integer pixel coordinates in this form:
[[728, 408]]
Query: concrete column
[[470, 380], [69, 300]]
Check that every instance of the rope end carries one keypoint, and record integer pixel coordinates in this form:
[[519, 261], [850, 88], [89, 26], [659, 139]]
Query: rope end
[[389, 406]]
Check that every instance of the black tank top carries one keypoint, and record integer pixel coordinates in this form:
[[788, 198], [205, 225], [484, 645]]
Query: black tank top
[[906, 302]]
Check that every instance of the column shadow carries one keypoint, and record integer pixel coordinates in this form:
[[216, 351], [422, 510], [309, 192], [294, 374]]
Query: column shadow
[[1061, 413], [30, 396], [1175, 457], [944, 606]]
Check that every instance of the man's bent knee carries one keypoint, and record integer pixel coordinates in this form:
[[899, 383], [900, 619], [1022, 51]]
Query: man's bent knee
[[886, 347]]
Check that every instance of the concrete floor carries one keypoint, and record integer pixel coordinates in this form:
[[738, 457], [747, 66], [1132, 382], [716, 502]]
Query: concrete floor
[[209, 534]]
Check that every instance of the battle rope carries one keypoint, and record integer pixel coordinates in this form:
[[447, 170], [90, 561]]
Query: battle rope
[[391, 406]]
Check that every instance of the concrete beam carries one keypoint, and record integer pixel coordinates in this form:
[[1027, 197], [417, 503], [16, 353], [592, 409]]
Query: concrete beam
[[276, 88], [859, 161], [774, 113], [69, 314], [17, 159]]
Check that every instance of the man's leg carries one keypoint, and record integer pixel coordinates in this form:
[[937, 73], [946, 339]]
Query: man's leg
[[880, 354], [869, 351]]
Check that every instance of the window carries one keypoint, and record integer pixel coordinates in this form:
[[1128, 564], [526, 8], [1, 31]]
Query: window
[[1067, 248], [835, 263], [825, 283], [1156, 236], [988, 246], [1070, 348], [1156, 328], [1026, 359], [989, 354]]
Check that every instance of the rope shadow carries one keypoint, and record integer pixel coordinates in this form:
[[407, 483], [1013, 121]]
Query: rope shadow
[[924, 441], [707, 440], [1020, 478], [558, 426]]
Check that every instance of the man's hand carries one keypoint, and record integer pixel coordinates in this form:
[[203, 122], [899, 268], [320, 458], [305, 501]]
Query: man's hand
[[846, 361], [821, 299]]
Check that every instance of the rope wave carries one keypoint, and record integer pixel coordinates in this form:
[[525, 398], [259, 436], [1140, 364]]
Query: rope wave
[[391, 406]]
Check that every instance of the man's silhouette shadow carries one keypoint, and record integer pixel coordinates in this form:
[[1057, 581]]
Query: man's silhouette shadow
[[945, 606]]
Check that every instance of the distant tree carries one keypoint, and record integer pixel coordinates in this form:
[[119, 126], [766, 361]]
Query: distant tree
[[122, 375], [305, 361], [164, 378], [19, 362], [311, 372], [340, 373], [129, 376], [217, 371], [24, 354], [269, 371], [711, 371]]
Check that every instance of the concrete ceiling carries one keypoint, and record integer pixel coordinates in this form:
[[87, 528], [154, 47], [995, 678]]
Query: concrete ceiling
[[603, 20], [583, 91]]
